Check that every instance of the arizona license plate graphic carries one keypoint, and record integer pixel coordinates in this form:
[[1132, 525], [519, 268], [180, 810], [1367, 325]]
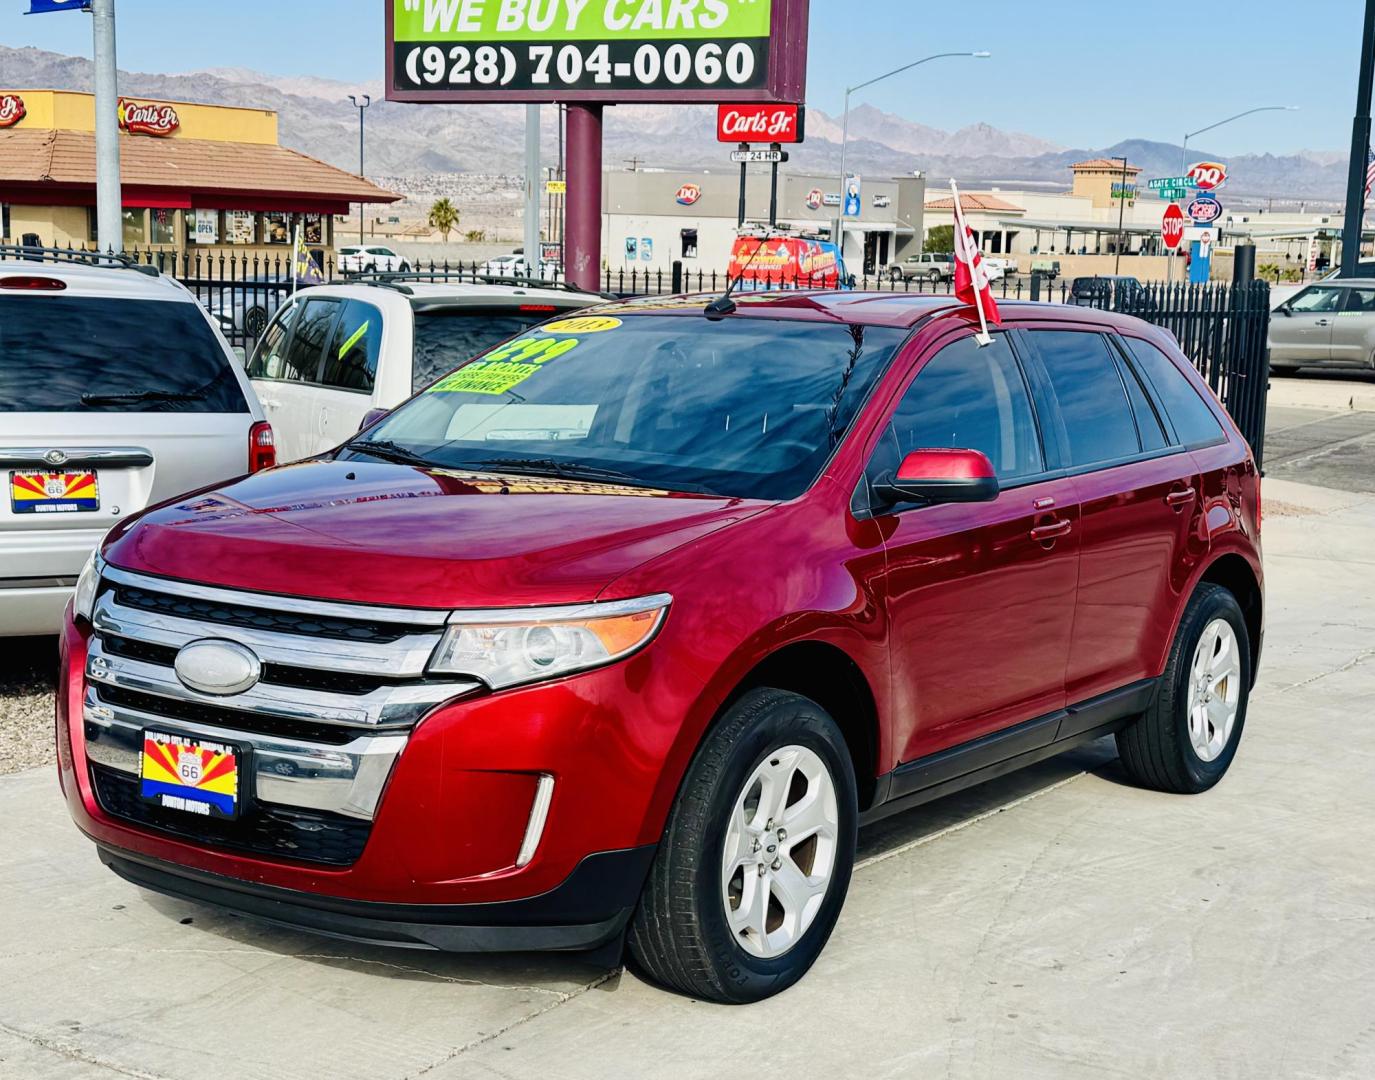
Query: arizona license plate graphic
[[54, 492], [190, 775]]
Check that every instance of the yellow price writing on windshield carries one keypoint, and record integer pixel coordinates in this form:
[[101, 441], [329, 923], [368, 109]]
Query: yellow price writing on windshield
[[505, 367]]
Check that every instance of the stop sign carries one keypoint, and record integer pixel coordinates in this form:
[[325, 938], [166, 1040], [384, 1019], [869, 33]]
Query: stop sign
[[1172, 226]]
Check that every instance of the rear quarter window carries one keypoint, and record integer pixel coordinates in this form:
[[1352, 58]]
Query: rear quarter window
[[1194, 422], [105, 355]]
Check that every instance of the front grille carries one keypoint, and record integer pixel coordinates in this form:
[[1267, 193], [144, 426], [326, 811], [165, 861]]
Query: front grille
[[194, 712], [263, 618], [299, 835]]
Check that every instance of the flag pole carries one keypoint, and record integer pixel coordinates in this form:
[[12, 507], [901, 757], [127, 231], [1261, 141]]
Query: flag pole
[[296, 259], [983, 337]]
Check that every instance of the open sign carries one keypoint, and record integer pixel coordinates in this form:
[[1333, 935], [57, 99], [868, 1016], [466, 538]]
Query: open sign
[[1207, 175]]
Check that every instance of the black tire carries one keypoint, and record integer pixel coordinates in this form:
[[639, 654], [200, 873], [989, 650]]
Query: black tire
[[680, 936], [934, 277], [895, 275], [255, 321], [1156, 750]]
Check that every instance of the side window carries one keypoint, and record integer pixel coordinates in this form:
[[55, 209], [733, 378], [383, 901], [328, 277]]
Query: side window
[[1093, 403], [1193, 420], [313, 328], [1316, 299], [269, 359], [351, 358], [1147, 422], [1362, 300], [972, 398]]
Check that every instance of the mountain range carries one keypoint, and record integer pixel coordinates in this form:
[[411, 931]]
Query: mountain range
[[410, 140]]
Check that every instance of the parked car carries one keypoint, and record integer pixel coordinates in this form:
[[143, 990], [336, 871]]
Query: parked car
[[1284, 291], [1049, 268], [514, 266], [335, 353], [1120, 292], [369, 258], [242, 309], [1328, 324], [928, 266], [627, 625], [115, 393], [1006, 267]]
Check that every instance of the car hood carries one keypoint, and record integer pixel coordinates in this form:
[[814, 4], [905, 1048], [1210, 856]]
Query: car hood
[[397, 535]]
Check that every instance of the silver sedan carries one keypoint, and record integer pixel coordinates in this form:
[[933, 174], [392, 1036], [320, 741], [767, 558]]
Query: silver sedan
[[1331, 323]]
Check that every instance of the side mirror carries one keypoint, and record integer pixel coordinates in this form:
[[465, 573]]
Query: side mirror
[[942, 476], [371, 417], [1285, 310]]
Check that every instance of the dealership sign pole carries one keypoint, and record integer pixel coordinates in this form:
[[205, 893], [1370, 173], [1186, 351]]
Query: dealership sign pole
[[588, 54]]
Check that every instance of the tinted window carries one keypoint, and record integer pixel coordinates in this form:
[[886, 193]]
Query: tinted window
[[1194, 422], [269, 358], [307, 346], [84, 354], [1147, 422], [1317, 299], [972, 398], [445, 338], [1362, 300], [1093, 404], [351, 359], [741, 407]]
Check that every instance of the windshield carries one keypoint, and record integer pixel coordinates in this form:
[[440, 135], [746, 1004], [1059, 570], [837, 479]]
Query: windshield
[[448, 337], [748, 408], [89, 354]]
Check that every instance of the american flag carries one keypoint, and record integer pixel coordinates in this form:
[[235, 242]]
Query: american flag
[[1369, 172]]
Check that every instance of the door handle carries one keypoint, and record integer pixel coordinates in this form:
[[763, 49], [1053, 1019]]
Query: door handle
[[1056, 529], [1321, 322], [1180, 499]]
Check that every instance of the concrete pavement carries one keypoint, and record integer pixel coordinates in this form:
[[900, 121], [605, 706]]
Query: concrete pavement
[[1057, 923]]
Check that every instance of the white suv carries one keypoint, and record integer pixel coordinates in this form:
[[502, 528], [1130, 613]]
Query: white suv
[[369, 258], [116, 392], [335, 353]]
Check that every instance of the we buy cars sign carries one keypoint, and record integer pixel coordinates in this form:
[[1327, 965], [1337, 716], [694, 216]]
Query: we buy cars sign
[[1172, 226], [665, 51], [759, 123]]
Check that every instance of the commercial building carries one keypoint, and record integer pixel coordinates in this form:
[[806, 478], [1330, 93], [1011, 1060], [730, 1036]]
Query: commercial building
[[651, 219], [204, 179]]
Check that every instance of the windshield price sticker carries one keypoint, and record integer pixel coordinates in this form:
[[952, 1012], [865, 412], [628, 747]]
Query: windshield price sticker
[[505, 367], [583, 324], [566, 47]]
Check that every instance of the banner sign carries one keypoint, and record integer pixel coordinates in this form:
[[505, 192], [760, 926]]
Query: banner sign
[[666, 51], [42, 7], [759, 123]]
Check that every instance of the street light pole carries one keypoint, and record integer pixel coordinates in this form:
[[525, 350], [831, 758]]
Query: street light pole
[[1360, 148], [1121, 214], [1184, 150], [362, 108], [839, 237], [109, 199]]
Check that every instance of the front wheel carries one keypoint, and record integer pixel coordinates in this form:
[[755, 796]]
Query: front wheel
[[1187, 739], [756, 859]]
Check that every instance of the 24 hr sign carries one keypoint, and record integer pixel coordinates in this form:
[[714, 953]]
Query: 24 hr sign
[[590, 50]]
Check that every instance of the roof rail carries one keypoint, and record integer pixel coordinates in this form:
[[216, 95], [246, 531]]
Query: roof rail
[[389, 278], [106, 259]]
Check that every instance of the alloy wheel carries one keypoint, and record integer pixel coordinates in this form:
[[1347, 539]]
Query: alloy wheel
[[1214, 689], [780, 851]]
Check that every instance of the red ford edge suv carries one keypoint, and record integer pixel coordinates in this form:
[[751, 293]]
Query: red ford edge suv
[[618, 633]]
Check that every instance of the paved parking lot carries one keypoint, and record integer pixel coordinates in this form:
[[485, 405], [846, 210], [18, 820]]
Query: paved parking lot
[[1057, 923]]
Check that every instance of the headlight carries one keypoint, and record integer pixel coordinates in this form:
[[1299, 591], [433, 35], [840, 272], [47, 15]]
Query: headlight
[[522, 645], [88, 584]]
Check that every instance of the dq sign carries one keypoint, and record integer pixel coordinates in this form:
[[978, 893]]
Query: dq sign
[[138, 119], [665, 51], [759, 123], [688, 194], [1207, 175], [11, 110]]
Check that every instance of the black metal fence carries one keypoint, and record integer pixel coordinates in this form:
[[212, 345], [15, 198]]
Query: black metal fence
[[1221, 327]]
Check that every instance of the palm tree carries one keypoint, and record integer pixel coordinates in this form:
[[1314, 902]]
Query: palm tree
[[444, 217]]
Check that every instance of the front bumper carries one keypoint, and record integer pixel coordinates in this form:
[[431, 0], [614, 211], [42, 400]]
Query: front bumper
[[590, 908]]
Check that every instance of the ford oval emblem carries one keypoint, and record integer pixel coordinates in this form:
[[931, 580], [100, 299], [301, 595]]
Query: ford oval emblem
[[218, 667]]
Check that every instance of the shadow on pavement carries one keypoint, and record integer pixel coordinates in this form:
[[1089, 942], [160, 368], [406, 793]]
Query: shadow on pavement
[[28, 665]]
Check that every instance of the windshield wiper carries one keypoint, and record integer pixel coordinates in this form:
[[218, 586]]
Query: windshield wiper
[[390, 451], [549, 466], [143, 395]]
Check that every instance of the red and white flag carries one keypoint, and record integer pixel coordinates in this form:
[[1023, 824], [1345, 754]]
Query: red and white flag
[[971, 278]]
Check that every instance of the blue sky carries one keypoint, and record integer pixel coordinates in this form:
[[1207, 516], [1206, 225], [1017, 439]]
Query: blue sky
[[1083, 73]]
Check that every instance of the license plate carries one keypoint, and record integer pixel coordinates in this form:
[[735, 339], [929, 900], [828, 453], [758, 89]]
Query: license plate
[[190, 775], [54, 492]]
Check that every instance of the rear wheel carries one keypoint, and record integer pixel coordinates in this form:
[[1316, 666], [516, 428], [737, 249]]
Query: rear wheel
[[1186, 741], [255, 321], [756, 858], [895, 275]]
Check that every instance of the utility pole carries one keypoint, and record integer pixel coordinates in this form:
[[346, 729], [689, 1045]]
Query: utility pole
[[1121, 214], [1360, 149], [532, 170], [362, 108], [109, 198]]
